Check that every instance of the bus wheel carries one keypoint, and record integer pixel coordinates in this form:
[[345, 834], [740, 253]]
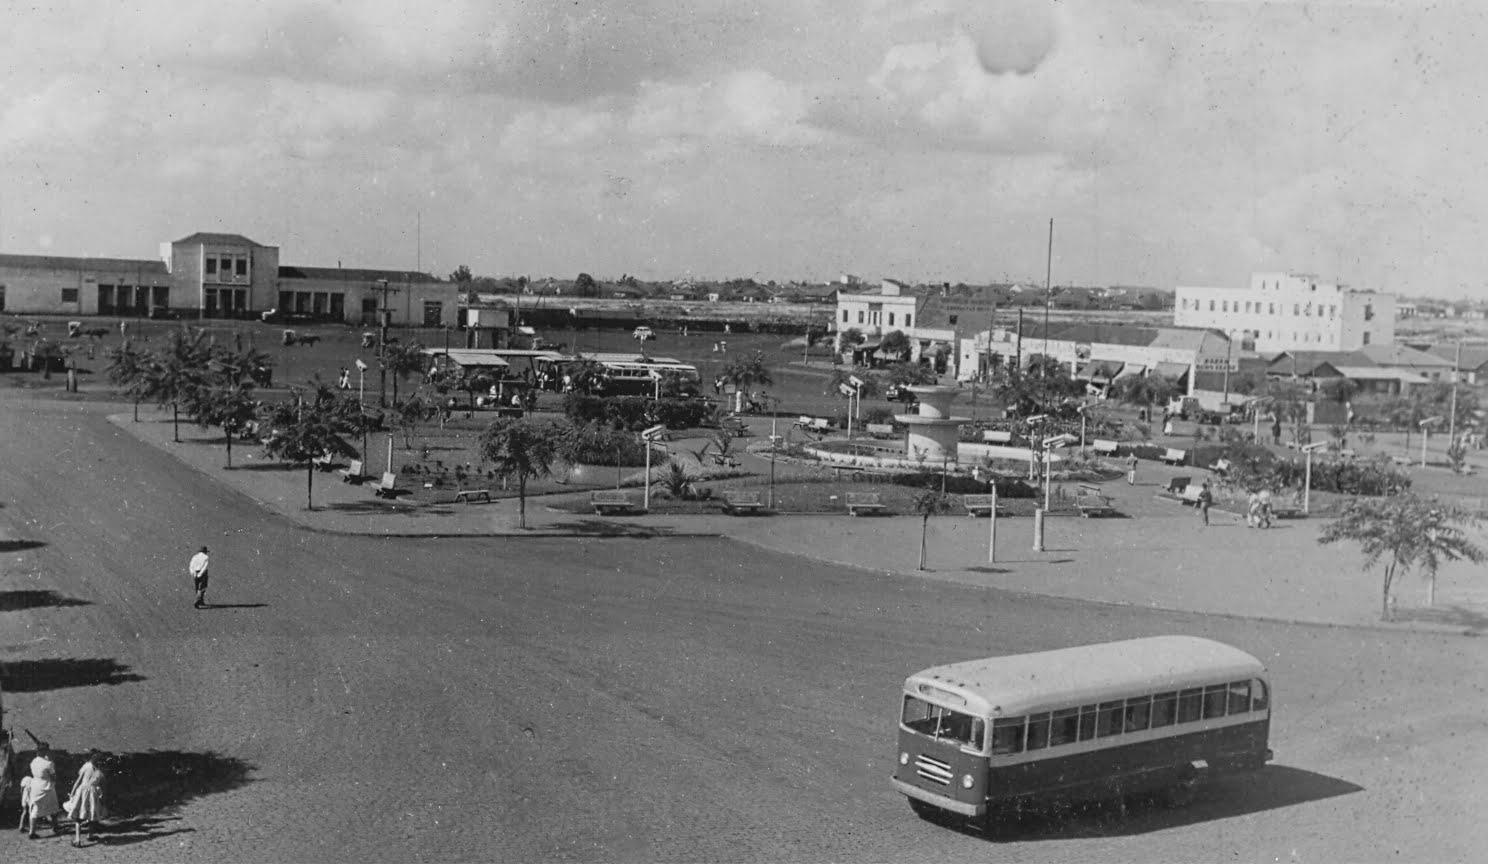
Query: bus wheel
[[1182, 793]]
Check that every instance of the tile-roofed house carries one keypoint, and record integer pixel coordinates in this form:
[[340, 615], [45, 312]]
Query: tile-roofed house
[[1303, 363], [1397, 356], [1472, 367], [60, 262]]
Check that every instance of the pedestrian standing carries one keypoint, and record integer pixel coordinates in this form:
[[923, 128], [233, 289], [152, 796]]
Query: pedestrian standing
[[198, 570], [345, 382], [43, 789], [1276, 429], [1131, 470], [1206, 499], [1253, 509], [1168, 425], [85, 802]]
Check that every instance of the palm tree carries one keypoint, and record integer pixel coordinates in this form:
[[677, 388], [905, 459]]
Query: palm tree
[[744, 372], [402, 360], [178, 370], [127, 372], [521, 448], [313, 425]]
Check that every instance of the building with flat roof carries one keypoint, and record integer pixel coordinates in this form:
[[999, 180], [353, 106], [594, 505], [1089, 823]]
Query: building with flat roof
[[1282, 311], [216, 275]]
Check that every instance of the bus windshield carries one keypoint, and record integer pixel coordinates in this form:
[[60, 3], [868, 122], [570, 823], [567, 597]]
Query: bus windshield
[[943, 724]]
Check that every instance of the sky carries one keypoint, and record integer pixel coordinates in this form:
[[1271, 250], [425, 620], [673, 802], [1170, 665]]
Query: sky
[[1170, 141]]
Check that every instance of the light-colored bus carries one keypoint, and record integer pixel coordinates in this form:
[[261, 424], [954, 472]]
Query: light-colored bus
[[1162, 714]]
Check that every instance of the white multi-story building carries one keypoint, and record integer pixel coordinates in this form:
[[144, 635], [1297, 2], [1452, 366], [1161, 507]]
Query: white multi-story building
[[1285, 311]]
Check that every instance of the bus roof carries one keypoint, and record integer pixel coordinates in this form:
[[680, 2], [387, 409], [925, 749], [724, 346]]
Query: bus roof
[[1022, 683], [609, 357]]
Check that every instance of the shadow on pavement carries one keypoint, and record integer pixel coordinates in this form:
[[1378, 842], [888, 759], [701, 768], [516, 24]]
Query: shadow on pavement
[[602, 528], [20, 545], [12, 601], [378, 508], [266, 466], [1271, 788], [1472, 620], [33, 676], [234, 605]]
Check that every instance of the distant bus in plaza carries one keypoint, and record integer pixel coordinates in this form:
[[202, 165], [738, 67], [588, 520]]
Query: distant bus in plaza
[[1163, 714], [632, 374]]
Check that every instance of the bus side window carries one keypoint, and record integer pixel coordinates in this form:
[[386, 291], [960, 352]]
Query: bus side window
[[1239, 697], [1108, 720], [1007, 735], [1138, 713], [1038, 731], [1087, 722], [1190, 704], [1260, 696], [1063, 726], [1215, 696], [1164, 709]]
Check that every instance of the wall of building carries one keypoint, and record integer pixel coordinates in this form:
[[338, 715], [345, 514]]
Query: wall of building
[[72, 286], [355, 301], [1281, 311]]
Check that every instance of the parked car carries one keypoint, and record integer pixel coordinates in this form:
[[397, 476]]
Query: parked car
[[895, 393], [643, 333]]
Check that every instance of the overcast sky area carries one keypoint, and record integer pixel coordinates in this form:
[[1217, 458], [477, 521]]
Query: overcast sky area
[[1171, 141]]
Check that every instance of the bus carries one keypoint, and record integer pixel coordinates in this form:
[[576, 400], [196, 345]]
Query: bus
[[636, 374], [1163, 714]]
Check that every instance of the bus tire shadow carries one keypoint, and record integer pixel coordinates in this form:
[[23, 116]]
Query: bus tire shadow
[[1271, 788]]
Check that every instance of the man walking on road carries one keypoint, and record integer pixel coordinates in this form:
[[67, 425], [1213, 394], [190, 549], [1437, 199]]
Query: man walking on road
[[1131, 470], [1206, 498], [198, 568]]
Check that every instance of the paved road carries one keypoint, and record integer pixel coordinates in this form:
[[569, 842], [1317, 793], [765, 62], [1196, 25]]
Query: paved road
[[583, 699]]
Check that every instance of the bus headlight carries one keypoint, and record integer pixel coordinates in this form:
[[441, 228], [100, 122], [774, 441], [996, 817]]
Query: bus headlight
[[966, 781], [903, 758]]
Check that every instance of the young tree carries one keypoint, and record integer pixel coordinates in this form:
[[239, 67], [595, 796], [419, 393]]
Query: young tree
[[1406, 531], [315, 424], [402, 360], [522, 448], [407, 417], [744, 372], [176, 371], [929, 503], [127, 370], [586, 376], [231, 405]]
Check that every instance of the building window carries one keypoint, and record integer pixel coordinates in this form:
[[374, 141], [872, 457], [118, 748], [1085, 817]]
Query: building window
[[891, 319], [1366, 337], [1224, 306], [69, 295], [1296, 309], [1368, 311], [844, 316], [1332, 311], [1211, 305], [906, 319], [860, 316], [240, 267], [211, 266], [1270, 308]]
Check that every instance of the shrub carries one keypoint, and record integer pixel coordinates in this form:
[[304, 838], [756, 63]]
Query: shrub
[[636, 412], [597, 444], [961, 484]]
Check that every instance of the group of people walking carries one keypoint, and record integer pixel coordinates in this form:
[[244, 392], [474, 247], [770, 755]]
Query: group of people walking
[[40, 804]]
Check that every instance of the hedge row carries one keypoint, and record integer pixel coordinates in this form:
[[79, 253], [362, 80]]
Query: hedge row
[[634, 413]]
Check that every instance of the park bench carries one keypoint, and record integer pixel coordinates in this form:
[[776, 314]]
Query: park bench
[[733, 426], [1104, 446], [997, 436], [608, 502], [880, 430], [353, 473], [1091, 502], [978, 505], [1220, 467], [468, 495], [1178, 484], [1174, 456], [387, 487], [736, 502], [859, 503], [324, 462], [724, 460]]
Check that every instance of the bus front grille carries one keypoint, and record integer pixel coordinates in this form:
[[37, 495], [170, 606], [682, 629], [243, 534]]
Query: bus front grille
[[933, 770]]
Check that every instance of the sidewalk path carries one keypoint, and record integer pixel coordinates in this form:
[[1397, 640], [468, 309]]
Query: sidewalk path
[[1164, 558]]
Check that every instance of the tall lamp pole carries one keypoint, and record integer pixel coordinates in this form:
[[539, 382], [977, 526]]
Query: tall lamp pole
[[1452, 414]]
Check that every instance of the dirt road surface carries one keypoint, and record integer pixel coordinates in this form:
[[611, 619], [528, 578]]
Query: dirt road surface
[[354, 699]]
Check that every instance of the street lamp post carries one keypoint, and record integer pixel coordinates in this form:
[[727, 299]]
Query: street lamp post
[[1307, 476], [647, 437], [1426, 435]]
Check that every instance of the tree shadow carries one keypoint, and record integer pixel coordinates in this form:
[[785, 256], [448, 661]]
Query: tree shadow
[[378, 507], [988, 569], [33, 676], [603, 528], [13, 601], [20, 545], [1472, 620], [266, 466], [142, 786], [234, 605], [1271, 788]]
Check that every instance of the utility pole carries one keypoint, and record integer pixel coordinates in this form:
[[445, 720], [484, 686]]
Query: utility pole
[[385, 315], [1452, 414], [1228, 344]]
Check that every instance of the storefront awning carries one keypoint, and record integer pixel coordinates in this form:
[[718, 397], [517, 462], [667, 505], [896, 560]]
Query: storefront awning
[[1173, 372], [1099, 371], [933, 350], [1131, 369]]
